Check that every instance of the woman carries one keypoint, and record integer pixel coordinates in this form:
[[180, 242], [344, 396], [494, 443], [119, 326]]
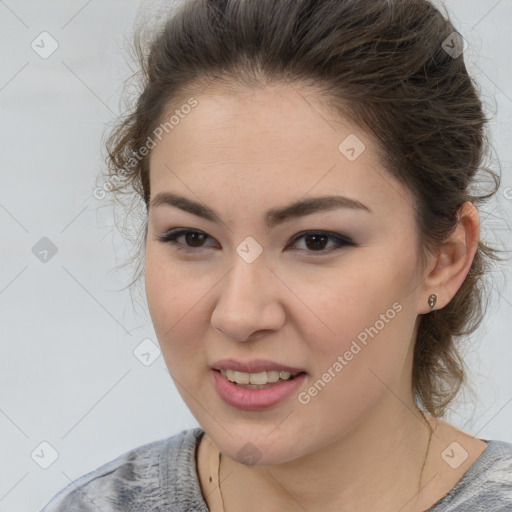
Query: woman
[[311, 252]]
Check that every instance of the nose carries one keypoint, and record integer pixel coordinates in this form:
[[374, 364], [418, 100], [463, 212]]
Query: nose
[[249, 303]]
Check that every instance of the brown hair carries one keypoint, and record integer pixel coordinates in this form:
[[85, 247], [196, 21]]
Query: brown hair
[[382, 64]]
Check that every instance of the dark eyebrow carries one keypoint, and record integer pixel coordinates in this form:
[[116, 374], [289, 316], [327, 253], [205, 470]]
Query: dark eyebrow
[[273, 217]]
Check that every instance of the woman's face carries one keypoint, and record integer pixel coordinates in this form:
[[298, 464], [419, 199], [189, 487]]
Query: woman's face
[[342, 312]]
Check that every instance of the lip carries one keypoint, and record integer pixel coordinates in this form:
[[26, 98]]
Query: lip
[[255, 399], [253, 366]]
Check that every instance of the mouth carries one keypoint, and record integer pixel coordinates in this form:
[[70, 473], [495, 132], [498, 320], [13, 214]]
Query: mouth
[[255, 397], [258, 380]]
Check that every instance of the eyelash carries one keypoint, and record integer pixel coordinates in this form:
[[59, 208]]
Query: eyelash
[[341, 241]]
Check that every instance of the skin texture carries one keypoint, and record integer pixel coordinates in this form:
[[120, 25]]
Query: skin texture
[[360, 441]]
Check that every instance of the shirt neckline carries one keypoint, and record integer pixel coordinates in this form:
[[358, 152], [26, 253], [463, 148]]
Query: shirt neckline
[[181, 480], [481, 464]]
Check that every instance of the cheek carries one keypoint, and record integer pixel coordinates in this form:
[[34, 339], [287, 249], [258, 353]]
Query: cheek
[[365, 315], [356, 367], [171, 296]]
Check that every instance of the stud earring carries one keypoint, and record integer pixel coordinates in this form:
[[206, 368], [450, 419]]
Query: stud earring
[[432, 300]]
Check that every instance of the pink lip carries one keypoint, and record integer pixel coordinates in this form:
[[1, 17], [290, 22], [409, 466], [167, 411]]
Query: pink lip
[[254, 399], [253, 366]]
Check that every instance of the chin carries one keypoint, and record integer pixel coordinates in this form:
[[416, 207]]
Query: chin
[[254, 447]]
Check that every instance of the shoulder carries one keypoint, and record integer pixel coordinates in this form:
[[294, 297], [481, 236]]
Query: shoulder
[[487, 485], [135, 480]]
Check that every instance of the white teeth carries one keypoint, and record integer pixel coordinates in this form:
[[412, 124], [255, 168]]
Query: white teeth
[[260, 378], [241, 378], [272, 376]]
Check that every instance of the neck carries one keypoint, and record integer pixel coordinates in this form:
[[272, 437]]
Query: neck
[[382, 460]]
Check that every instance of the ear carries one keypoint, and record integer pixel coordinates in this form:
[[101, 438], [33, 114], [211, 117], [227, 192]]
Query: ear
[[453, 260]]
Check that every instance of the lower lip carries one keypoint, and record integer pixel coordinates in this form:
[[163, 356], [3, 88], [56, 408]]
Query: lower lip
[[255, 399]]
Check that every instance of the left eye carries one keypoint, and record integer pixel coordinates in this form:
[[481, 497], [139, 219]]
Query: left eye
[[314, 240]]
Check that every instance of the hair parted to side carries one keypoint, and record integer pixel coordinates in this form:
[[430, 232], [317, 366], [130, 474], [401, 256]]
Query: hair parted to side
[[378, 63]]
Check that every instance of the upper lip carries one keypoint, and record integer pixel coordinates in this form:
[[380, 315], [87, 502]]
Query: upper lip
[[253, 366]]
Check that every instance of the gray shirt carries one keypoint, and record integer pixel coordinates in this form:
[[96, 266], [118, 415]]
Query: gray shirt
[[161, 477]]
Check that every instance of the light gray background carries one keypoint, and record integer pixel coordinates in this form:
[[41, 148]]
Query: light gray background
[[68, 374]]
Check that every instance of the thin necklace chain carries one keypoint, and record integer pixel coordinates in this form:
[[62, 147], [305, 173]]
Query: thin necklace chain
[[431, 431], [218, 480], [421, 474]]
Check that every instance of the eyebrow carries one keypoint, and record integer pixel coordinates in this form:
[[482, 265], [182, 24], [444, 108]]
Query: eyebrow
[[273, 217]]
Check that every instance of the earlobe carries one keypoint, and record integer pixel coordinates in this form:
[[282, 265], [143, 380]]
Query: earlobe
[[454, 260]]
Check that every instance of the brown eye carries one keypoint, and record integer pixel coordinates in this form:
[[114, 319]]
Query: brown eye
[[192, 239], [316, 241]]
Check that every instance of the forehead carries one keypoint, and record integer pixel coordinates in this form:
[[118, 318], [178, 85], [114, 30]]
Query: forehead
[[257, 123], [274, 143]]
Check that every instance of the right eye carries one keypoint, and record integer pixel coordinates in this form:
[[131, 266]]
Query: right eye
[[189, 236]]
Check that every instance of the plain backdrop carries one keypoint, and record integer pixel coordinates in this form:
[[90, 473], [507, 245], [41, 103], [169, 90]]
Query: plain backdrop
[[73, 393]]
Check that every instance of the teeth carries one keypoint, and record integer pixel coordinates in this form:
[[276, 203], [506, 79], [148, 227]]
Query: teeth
[[260, 378], [241, 378]]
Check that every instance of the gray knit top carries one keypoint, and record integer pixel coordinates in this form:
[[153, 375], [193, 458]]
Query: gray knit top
[[161, 477]]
